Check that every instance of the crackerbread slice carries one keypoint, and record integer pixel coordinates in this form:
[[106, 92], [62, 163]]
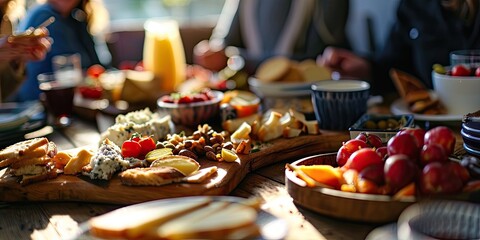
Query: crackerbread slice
[[151, 176], [23, 149], [273, 69], [37, 161], [50, 172], [415, 94], [406, 83]]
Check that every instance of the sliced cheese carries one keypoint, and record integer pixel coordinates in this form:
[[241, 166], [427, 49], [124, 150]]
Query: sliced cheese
[[213, 222], [136, 221]]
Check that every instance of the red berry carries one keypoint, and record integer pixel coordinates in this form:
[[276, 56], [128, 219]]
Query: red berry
[[460, 70]]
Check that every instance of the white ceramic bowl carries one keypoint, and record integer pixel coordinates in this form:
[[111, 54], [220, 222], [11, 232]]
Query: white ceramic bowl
[[460, 95]]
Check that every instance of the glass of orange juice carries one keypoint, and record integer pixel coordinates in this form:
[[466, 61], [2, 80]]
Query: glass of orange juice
[[163, 53]]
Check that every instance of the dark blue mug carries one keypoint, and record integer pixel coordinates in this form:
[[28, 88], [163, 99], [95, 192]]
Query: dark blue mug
[[339, 103]]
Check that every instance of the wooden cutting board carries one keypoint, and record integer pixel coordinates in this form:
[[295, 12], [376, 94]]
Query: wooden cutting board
[[228, 176]]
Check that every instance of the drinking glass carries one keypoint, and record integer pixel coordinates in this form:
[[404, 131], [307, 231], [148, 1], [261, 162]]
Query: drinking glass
[[68, 66], [58, 95], [468, 57], [112, 82], [163, 53]]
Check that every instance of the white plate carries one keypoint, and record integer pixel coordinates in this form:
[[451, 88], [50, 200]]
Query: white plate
[[270, 226], [399, 107]]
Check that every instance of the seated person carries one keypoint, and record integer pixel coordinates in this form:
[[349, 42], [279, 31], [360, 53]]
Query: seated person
[[70, 33], [425, 32], [15, 51], [265, 28]]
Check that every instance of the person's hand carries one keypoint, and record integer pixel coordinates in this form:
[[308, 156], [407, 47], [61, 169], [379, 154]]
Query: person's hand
[[210, 56], [29, 46], [345, 62]]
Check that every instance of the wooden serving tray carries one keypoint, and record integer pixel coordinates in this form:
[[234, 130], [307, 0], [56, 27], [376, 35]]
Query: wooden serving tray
[[229, 175], [361, 207]]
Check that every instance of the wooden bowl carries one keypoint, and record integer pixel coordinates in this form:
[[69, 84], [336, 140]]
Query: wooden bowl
[[371, 208]]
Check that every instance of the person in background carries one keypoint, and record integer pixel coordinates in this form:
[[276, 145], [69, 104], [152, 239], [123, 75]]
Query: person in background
[[72, 32], [260, 29], [16, 50], [425, 32]]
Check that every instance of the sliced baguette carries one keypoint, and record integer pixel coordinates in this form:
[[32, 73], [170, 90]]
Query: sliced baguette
[[36, 161], [151, 176], [21, 149], [136, 221]]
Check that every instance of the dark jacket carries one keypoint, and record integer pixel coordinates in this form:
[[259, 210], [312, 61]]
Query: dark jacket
[[322, 24], [69, 36], [423, 34]]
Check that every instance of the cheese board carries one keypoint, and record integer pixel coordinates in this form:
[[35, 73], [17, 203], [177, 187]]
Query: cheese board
[[228, 176]]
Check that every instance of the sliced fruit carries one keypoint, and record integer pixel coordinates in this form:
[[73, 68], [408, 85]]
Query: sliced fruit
[[407, 191], [300, 174], [158, 153], [229, 155], [367, 186], [348, 188], [325, 174], [184, 164]]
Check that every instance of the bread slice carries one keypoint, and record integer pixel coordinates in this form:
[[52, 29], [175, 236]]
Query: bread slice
[[151, 176], [25, 162], [135, 221], [406, 83], [273, 69], [415, 94], [22, 149], [49, 173], [293, 75], [216, 221]]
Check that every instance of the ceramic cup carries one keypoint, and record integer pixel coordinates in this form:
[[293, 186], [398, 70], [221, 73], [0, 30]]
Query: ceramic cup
[[339, 103]]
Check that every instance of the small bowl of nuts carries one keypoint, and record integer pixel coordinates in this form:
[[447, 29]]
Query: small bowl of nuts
[[384, 126]]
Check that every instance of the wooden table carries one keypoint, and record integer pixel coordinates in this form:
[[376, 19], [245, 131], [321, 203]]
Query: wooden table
[[60, 220]]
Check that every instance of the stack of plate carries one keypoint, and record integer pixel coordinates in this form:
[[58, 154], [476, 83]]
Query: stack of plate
[[18, 119], [296, 95], [471, 137]]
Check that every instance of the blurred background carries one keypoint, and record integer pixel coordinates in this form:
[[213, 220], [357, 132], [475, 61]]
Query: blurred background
[[367, 27]]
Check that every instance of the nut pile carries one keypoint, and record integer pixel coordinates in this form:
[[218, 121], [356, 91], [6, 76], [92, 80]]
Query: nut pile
[[205, 141]]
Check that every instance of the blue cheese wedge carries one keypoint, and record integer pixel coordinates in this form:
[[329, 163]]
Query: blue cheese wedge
[[106, 161], [143, 122]]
